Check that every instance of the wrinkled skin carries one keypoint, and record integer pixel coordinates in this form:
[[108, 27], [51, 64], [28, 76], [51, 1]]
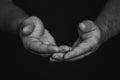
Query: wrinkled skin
[[87, 42], [38, 40]]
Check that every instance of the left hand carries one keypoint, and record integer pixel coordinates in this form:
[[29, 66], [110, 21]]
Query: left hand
[[87, 43], [37, 39]]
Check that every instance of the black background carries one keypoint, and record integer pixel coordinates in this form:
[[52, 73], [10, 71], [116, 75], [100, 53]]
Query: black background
[[61, 18]]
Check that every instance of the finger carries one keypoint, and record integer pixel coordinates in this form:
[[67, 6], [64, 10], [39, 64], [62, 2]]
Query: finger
[[54, 60], [43, 44], [27, 30], [52, 49], [40, 47], [39, 28], [44, 48], [83, 55], [86, 53], [82, 48], [87, 26], [90, 29], [62, 50], [32, 25], [57, 57], [76, 43], [79, 57]]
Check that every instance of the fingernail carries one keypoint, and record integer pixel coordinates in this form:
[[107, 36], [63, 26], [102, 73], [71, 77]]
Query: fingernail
[[82, 26], [27, 30]]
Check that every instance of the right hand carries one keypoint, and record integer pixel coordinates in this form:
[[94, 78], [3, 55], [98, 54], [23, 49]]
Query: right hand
[[88, 42]]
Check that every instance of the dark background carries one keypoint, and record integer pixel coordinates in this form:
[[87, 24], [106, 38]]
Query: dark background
[[61, 18]]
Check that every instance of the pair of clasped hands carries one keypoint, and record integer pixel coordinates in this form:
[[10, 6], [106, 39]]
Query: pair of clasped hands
[[38, 40]]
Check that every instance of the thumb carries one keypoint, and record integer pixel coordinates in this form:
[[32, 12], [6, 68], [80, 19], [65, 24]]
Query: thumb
[[38, 27], [27, 30], [27, 27], [32, 26], [87, 26]]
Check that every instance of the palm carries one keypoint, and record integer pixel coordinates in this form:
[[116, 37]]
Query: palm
[[39, 40], [87, 42]]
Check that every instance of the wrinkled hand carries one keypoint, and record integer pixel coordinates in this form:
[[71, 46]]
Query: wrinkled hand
[[37, 39], [87, 43]]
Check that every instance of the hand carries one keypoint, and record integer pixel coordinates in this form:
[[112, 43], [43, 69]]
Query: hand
[[87, 42], [37, 39]]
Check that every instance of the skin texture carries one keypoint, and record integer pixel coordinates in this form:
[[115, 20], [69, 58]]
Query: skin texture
[[109, 20], [37, 39], [106, 25], [90, 35]]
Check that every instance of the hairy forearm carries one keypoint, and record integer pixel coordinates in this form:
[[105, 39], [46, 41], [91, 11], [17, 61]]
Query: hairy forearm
[[109, 19], [11, 17]]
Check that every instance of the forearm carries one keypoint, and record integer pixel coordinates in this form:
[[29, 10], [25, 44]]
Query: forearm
[[109, 19], [11, 17]]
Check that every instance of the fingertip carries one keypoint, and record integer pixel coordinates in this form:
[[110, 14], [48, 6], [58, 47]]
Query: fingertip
[[27, 30], [52, 60], [82, 26], [87, 26], [64, 48], [58, 56], [53, 49], [67, 56]]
